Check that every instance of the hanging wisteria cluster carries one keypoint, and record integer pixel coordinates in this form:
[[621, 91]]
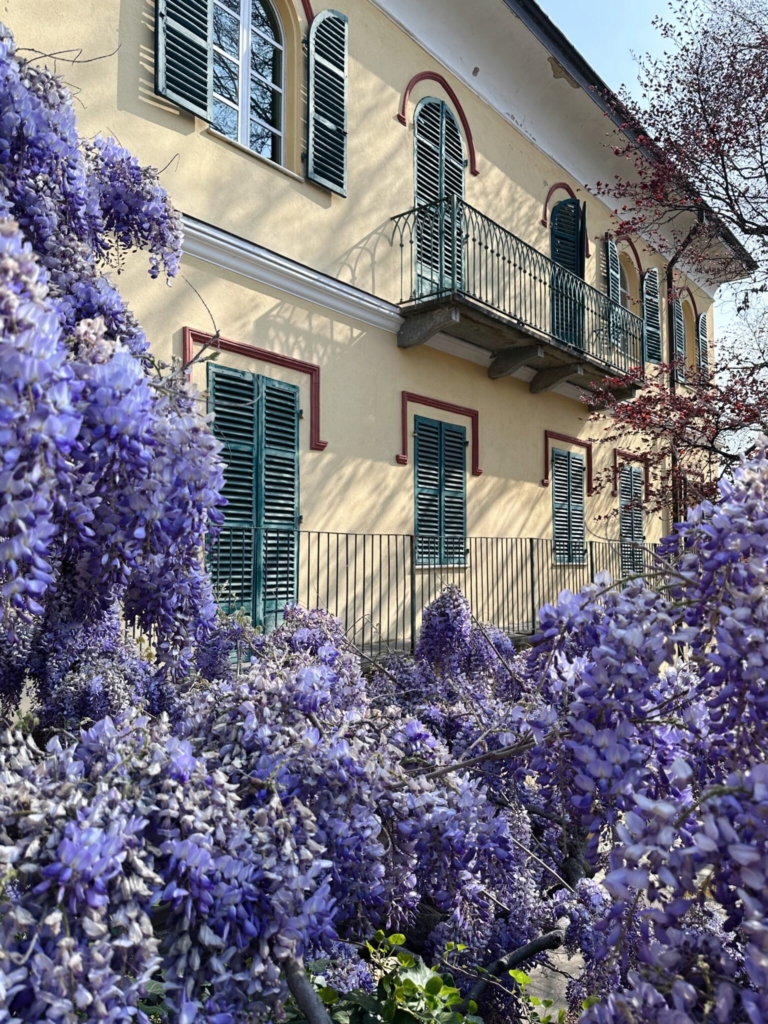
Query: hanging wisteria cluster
[[109, 475]]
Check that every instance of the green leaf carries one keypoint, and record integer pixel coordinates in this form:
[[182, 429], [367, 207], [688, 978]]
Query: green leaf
[[547, 1003], [472, 1007], [405, 959], [449, 946], [589, 1002], [434, 985], [396, 940], [328, 995], [155, 988], [369, 1003], [461, 947], [379, 936], [520, 977]]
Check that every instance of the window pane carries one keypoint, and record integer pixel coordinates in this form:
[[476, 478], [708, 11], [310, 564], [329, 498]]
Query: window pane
[[225, 74], [234, 5], [265, 103], [225, 119], [265, 60], [226, 31], [265, 142], [263, 19]]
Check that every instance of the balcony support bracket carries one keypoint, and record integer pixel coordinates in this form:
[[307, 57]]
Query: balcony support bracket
[[420, 327], [546, 379], [508, 360]]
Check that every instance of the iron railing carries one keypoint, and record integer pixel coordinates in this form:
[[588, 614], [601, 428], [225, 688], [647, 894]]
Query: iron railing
[[378, 585], [449, 248]]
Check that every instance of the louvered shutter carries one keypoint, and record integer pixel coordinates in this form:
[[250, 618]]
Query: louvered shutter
[[568, 513], [631, 531], [678, 338], [441, 502], [454, 500], [427, 469], [652, 316], [615, 315], [438, 175], [567, 237], [184, 54], [232, 396], [278, 498], [702, 343], [327, 118]]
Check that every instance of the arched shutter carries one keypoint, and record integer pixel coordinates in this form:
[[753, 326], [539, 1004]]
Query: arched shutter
[[327, 116], [615, 311], [278, 498], [631, 532], [652, 316], [678, 338], [438, 178], [568, 240], [184, 54], [702, 343]]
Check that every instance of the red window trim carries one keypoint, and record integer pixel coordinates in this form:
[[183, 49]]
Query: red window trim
[[627, 456], [435, 403], [192, 337], [434, 76], [638, 261], [553, 189], [551, 435]]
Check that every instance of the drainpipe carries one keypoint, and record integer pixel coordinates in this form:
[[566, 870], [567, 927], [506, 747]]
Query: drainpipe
[[671, 342]]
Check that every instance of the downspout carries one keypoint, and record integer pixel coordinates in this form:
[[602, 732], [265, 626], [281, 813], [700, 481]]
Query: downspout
[[671, 346]]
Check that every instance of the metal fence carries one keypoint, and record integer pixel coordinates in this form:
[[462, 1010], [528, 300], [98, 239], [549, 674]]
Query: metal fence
[[448, 247], [378, 587]]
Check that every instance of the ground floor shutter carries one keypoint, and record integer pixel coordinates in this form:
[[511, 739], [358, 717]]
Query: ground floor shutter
[[568, 513], [631, 530], [254, 561], [440, 492]]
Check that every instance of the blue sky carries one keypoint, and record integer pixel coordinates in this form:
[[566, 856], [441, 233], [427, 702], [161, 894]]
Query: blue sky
[[607, 33]]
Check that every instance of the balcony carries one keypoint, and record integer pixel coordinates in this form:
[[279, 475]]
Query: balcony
[[379, 584], [464, 275]]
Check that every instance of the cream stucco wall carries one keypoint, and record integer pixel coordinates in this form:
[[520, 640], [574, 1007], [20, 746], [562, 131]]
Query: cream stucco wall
[[355, 483]]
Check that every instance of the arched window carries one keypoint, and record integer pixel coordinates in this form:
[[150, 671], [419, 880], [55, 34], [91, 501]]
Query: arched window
[[438, 180], [248, 81]]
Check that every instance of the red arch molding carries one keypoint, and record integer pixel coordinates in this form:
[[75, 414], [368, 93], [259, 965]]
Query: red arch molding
[[553, 189], [434, 76], [685, 288], [638, 261], [192, 338], [308, 12], [550, 435], [434, 403]]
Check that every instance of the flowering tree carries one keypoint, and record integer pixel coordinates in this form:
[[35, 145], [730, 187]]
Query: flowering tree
[[109, 476]]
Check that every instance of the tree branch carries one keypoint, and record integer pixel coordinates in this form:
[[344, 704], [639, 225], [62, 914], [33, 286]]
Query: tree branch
[[304, 992]]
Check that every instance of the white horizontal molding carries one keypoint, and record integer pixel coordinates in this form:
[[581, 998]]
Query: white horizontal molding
[[222, 249]]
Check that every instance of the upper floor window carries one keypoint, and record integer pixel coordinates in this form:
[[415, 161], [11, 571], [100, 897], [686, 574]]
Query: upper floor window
[[248, 85]]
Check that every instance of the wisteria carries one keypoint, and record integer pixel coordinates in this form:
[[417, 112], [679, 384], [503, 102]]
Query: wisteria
[[110, 477]]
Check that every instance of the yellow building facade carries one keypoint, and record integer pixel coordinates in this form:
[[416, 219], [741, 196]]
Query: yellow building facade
[[386, 209]]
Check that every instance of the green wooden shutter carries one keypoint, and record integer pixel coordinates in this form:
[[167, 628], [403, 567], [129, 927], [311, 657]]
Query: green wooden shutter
[[678, 337], [702, 343], [567, 239], [568, 518], [652, 316], [427, 448], [454, 494], [232, 398], [184, 54], [615, 314], [278, 499], [440, 492], [631, 531], [327, 118]]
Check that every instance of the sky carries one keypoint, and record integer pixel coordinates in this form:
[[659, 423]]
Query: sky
[[607, 33]]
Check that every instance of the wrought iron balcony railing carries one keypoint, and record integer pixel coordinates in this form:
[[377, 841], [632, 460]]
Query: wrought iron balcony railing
[[448, 248], [379, 584]]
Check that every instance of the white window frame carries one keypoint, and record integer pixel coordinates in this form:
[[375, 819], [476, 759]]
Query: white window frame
[[243, 62]]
